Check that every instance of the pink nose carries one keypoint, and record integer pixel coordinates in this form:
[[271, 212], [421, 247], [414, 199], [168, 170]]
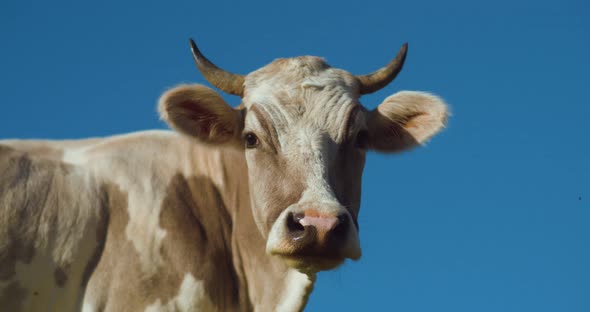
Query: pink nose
[[322, 224], [311, 229]]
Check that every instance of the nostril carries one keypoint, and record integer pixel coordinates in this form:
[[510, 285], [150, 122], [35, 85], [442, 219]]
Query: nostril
[[295, 228], [341, 229]]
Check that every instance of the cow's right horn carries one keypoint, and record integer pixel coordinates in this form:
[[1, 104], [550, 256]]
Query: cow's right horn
[[221, 79]]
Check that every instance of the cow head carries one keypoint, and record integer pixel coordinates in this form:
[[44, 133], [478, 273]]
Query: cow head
[[305, 136]]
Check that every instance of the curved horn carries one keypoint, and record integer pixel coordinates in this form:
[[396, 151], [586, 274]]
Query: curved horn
[[223, 80], [381, 77]]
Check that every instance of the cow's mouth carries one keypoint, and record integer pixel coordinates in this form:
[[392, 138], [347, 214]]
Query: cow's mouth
[[312, 263], [309, 257]]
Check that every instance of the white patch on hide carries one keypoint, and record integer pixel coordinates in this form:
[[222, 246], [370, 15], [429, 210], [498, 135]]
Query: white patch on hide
[[87, 307], [191, 297], [143, 229], [296, 289]]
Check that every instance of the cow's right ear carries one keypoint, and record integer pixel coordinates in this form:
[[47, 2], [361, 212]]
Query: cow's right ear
[[200, 112]]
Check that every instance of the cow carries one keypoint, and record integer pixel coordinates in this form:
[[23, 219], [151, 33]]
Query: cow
[[237, 209]]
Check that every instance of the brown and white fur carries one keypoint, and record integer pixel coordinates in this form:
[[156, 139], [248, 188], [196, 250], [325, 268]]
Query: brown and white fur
[[200, 220]]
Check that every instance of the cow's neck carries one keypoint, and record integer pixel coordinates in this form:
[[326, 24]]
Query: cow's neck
[[269, 283]]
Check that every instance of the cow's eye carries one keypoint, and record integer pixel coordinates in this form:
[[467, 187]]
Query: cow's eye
[[362, 139], [251, 140]]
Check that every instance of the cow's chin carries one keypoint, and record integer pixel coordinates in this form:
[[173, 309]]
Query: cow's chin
[[312, 264], [311, 260]]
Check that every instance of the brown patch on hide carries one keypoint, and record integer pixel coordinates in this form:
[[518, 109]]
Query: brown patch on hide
[[16, 251], [101, 231], [20, 210], [60, 277], [115, 257], [198, 239]]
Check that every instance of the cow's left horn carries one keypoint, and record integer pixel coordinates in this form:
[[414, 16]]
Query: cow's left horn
[[223, 80], [381, 77]]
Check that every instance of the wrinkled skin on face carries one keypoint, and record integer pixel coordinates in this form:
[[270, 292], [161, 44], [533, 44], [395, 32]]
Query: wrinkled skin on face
[[305, 136]]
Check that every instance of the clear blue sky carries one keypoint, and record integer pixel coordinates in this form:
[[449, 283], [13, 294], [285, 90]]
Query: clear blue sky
[[493, 215]]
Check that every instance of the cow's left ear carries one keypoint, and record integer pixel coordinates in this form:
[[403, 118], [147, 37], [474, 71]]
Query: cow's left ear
[[405, 120], [200, 112]]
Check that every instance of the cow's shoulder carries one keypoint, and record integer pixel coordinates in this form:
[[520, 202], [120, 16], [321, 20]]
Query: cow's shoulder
[[168, 232]]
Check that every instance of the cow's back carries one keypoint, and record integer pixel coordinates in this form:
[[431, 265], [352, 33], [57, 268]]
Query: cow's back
[[52, 219]]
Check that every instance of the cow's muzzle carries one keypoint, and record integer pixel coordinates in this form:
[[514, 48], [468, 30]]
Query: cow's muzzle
[[313, 239]]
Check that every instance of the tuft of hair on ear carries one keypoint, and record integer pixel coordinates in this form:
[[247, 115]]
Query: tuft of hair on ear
[[407, 119], [200, 112]]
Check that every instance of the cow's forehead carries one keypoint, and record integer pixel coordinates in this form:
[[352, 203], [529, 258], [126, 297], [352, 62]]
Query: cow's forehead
[[303, 92], [293, 74]]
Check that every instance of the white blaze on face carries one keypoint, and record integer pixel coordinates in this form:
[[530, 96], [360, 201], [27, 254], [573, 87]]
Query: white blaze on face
[[311, 151]]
